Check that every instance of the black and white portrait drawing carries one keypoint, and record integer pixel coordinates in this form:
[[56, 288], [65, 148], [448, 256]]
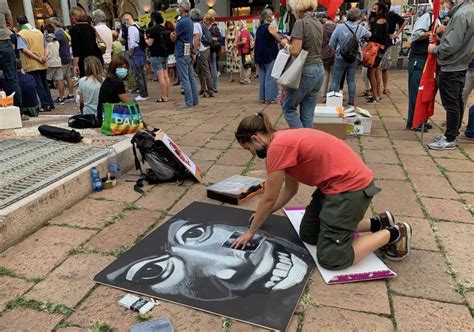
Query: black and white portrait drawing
[[187, 260]]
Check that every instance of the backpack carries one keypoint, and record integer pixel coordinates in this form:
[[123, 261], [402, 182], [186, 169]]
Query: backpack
[[142, 44], [206, 38], [328, 54], [60, 134], [168, 43], [350, 50], [81, 121], [165, 167]]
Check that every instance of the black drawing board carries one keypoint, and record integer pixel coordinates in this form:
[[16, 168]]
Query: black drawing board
[[183, 261]]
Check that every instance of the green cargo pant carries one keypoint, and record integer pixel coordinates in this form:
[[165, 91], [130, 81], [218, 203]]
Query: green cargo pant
[[330, 221]]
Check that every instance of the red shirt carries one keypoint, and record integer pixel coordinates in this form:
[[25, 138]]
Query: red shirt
[[244, 49], [316, 158]]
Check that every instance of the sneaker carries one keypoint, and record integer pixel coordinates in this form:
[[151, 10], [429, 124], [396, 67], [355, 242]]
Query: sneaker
[[69, 98], [420, 129], [60, 101], [442, 144], [244, 82], [386, 219], [439, 138], [400, 248], [465, 137], [24, 117], [140, 98]]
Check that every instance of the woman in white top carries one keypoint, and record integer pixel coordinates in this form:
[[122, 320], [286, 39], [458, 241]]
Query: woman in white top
[[105, 34], [89, 85]]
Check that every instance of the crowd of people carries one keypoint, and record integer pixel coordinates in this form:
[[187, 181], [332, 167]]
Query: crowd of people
[[113, 65]]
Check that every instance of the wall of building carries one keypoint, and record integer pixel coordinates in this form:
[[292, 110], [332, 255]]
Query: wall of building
[[222, 7]]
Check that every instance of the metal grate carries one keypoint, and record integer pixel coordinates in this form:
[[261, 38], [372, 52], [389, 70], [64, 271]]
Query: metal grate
[[28, 166]]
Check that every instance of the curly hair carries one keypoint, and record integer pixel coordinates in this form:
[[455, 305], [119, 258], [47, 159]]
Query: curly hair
[[299, 6]]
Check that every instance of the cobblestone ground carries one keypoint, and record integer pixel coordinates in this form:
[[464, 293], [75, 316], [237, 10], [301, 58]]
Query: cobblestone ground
[[46, 280]]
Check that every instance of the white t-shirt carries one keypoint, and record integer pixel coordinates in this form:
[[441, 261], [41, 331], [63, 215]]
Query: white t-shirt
[[198, 29], [106, 34], [90, 89]]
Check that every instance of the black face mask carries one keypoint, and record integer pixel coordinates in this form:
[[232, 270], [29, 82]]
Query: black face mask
[[261, 153]]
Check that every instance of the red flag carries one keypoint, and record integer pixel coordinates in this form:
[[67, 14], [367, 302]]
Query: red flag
[[332, 6], [425, 100]]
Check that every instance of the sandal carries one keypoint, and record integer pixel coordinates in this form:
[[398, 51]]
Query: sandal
[[366, 93], [387, 92], [162, 100]]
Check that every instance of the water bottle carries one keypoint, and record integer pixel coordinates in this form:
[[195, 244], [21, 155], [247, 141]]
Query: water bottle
[[96, 181], [114, 164]]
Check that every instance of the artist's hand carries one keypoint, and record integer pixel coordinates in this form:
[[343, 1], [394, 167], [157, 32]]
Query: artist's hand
[[441, 29], [243, 240], [76, 71], [433, 39], [250, 220]]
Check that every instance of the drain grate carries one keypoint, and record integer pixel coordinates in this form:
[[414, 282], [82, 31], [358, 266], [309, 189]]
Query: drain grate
[[28, 166]]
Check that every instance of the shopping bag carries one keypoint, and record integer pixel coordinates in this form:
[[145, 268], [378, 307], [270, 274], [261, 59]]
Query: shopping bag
[[121, 119], [291, 77], [280, 63], [372, 54]]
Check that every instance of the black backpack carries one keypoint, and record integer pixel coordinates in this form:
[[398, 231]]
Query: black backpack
[[168, 43], [350, 50], [206, 38], [81, 121], [60, 134], [165, 167], [141, 43]]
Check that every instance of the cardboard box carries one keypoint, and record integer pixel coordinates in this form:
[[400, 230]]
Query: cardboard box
[[324, 111], [10, 117], [194, 169], [359, 122], [334, 99], [335, 129]]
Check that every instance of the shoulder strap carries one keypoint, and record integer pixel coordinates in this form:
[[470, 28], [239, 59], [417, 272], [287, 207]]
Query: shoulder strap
[[348, 27]]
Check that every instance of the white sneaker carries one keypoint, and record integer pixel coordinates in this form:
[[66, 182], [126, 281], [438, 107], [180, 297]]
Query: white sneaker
[[442, 144], [140, 98]]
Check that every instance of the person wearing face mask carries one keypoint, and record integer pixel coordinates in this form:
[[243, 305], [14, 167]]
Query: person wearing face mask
[[345, 188], [113, 89]]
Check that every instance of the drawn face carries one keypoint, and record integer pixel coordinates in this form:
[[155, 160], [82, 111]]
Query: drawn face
[[197, 266]]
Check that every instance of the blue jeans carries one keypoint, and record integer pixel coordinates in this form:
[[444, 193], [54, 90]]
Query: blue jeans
[[187, 80], [415, 70], [340, 66], [8, 65], [213, 67], [268, 85], [469, 132], [42, 87], [305, 96]]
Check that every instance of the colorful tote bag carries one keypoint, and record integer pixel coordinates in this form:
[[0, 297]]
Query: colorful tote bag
[[121, 119]]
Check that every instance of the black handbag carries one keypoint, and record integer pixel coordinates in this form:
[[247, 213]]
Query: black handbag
[[82, 121], [60, 134]]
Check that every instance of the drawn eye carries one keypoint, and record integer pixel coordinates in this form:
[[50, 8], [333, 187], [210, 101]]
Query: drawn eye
[[155, 271], [193, 234]]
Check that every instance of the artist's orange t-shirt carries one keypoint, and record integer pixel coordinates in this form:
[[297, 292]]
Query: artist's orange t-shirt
[[316, 158]]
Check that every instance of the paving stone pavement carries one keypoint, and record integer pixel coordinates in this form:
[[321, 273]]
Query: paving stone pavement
[[45, 280]]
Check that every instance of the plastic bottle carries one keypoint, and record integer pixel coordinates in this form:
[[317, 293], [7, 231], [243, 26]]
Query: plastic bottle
[[96, 181], [114, 167]]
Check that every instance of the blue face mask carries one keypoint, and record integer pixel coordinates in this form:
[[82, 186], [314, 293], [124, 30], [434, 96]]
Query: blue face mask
[[121, 73], [443, 13]]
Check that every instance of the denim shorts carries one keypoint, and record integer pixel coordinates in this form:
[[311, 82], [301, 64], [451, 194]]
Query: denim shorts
[[159, 63]]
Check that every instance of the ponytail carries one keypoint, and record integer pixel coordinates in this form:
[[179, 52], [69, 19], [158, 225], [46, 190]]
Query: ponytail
[[253, 124]]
